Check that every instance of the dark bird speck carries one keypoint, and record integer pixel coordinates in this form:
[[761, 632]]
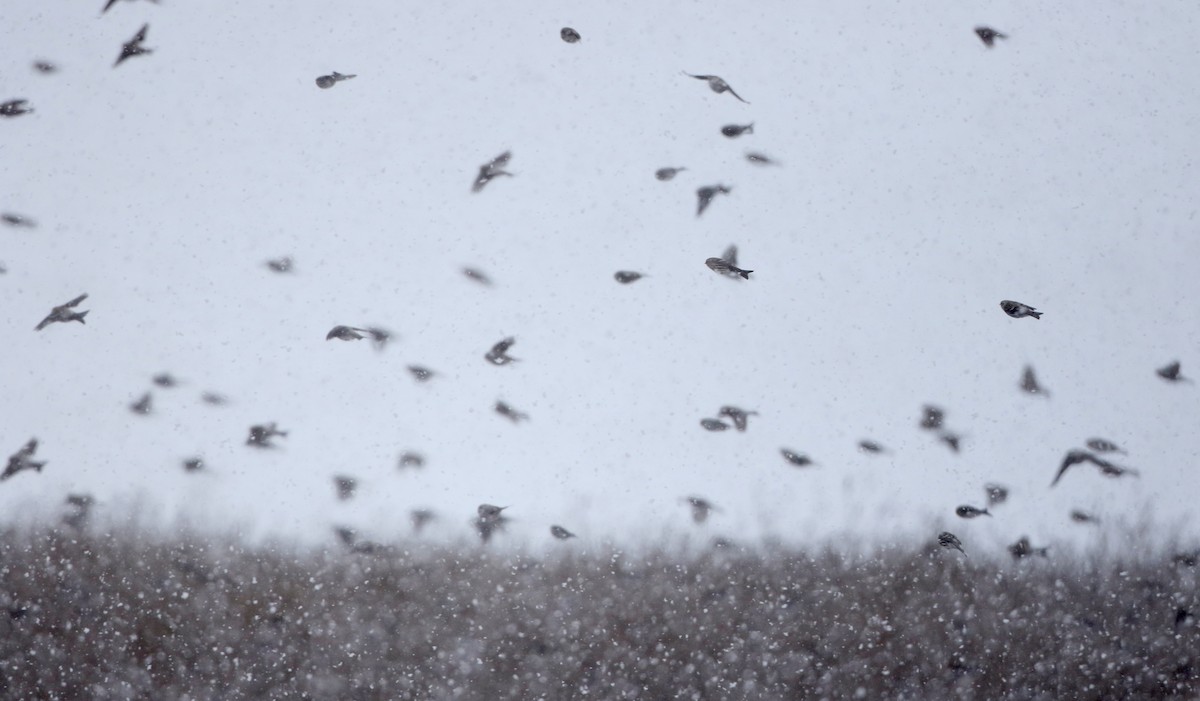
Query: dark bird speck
[[498, 355], [1170, 372], [971, 512], [716, 84], [733, 131], [952, 440], [261, 435], [508, 412], [165, 380], [144, 405], [18, 220], [724, 267], [996, 493], [328, 81], [14, 108], [478, 276], [1017, 310], [134, 47], [701, 508], [193, 464], [760, 159], [569, 35], [666, 174], [45, 67], [989, 36], [284, 264], [706, 194], [1076, 457], [561, 533], [870, 447], [1023, 548], [1030, 384], [214, 398], [490, 170], [421, 518], [948, 540], [796, 459], [421, 373], [64, 313], [1103, 445], [713, 425], [345, 333], [110, 3], [345, 487], [932, 417], [738, 416], [411, 459], [627, 276], [1084, 517]]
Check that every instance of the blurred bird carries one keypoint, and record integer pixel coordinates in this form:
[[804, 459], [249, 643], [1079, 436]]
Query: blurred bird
[[81, 510], [379, 336], [735, 130], [22, 460], [1022, 548], [1075, 457], [477, 275], [490, 519], [971, 512], [713, 425], [797, 459], [996, 494], [666, 174], [561, 533], [193, 464], [347, 535], [165, 380], [261, 435], [18, 220], [738, 416], [932, 418], [498, 355], [134, 47], [868, 446], [953, 440], [214, 398], [490, 510], [421, 518], [627, 276], [510, 413], [1017, 310], [45, 67], [14, 108], [701, 508], [716, 84], [1102, 445], [1186, 559], [1084, 517], [722, 266], [569, 35], [110, 3], [989, 36], [706, 194], [411, 459], [948, 540], [490, 170], [1170, 372], [64, 314], [730, 256], [421, 373], [328, 81], [281, 265], [345, 333], [1029, 383], [81, 501], [144, 405], [760, 159], [345, 487]]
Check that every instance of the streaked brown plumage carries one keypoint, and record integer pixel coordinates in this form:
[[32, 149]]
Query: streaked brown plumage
[[722, 266], [1018, 310]]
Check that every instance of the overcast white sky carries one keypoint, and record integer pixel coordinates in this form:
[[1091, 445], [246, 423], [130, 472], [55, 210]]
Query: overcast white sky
[[924, 178]]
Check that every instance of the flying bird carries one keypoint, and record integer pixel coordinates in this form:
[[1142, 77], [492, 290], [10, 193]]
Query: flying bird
[[713, 425], [1170, 372], [932, 417], [165, 380], [760, 159], [868, 446], [569, 35], [952, 440], [716, 84], [345, 333], [1108, 469], [627, 276], [971, 512], [214, 398], [14, 108], [144, 405], [22, 460], [498, 355], [797, 459], [411, 459], [996, 494], [489, 520], [420, 373], [1018, 310], [281, 265], [733, 131], [730, 256], [490, 170], [738, 416], [478, 276], [989, 36], [701, 508], [1029, 383], [666, 174], [561, 533], [724, 267], [421, 518], [510, 413], [706, 194], [1083, 517], [328, 81], [1022, 548], [261, 435], [110, 3], [18, 220], [45, 67], [64, 313], [345, 487], [193, 464], [1103, 445], [948, 540], [134, 47]]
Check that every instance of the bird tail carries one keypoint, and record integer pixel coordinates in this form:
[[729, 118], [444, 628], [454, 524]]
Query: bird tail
[[1035, 315], [750, 128], [339, 76], [745, 274], [79, 317]]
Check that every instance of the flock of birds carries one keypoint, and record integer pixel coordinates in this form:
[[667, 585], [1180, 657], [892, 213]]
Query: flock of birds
[[491, 519]]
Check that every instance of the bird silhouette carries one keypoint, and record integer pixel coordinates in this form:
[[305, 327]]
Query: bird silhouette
[[490, 170], [733, 131], [1076, 457], [261, 435], [421, 518], [22, 460], [63, 313], [561, 533], [421, 373], [1018, 310], [989, 36], [1170, 372], [345, 486], [932, 417], [134, 47], [996, 494], [508, 412], [713, 425], [498, 355], [706, 194], [1103, 445], [796, 458], [110, 3], [666, 174], [1029, 383], [761, 159], [284, 264], [971, 512], [328, 81], [569, 35], [724, 267], [701, 508], [868, 446], [1022, 548], [478, 276], [411, 458], [144, 405], [739, 417], [627, 276], [716, 84], [948, 540], [18, 220], [489, 520], [14, 108]]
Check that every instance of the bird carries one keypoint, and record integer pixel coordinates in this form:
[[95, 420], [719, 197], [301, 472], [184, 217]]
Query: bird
[[737, 416], [134, 47], [996, 494], [284, 264], [868, 446], [1170, 372], [1076, 456], [328, 81], [724, 267], [569, 35], [561, 533], [411, 459], [795, 458], [953, 440], [261, 435], [730, 256], [760, 158], [1083, 517], [716, 84], [490, 170], [18, 220], [701, 508], [45, 67], [165, 380], [420, 518], [81, 510], [706, 194], [932, 417], [193, 464], [478, 276], [379, 336], [214, 398], [713, 425], [14, 108], [110, 3], [64, 313], [345, 333], [948, 540], [1018, 310], [733, 131], [498, 355], [1022, 548], [666, 174], [989, 36], [1029, 383], [489, 519], [1103, 445], [144, 405], [971, 512], [509, 412], [627, 276], [420, 373], [345, 486], [22, 460]]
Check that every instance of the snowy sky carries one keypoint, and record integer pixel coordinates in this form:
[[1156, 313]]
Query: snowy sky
[[923, 178]]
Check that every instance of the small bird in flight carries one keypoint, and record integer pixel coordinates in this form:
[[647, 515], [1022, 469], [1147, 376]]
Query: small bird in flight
[[948, 540], [508, 412], [45, 67], [627, 276], [498, 355], [110, 3], [561, 533], [18, 220], [724, 267], [478, 276], [1029, 383], [1170, 372], [193, 464], [1023, 548], [22, 460], [281, 265], [760, 159], [261, 435], [421, 373], [490, 170], [932, 417], [1017, 310], [713, 425], [868, 446], [989, 36], [1103, 445], [569, 35], [952, 440], [165, 380], [666, 174], [63, 313], [144, 405], [971, 512], [411, 459], [421, 518], [797, 459], [379, 336], [1075, 457], [996, 493], [134, 47], [1084, 517], [733, 131], [489, 520], [14, 108], [701, 508], [328, 81], [738, 416], [706, 194], [345, 487], [716, 84]]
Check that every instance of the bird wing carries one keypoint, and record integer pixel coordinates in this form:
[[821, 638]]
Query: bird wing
[[45, 322], [501, 160], [76, 301], [1072, 458], [730, 254], [141, 35], [698, 77], [107, 5], [732, 92]]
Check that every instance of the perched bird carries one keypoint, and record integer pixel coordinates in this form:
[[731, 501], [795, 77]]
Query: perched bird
[[797, 459], [477, 275], [713, 425], [868, 446], [948, 540], [1017, 310], [666, 174], [1102, 445], [110, 3], [706, 195], [701, 508], [953, 440], [64, 314], [1076, 456], [569, 35], [45, 67], [490, 170], [421, 373], [971, 512], [345, 333], [281, 265], [932, 417], [134, 47], [716, 84], [1084, 517], [165, 380], [561, 533], [18, 220], [421, 518], [627, 276], [724, 267], [737, 416], [510, 413], [345, 486], [989, 36], [1029, 383], [498, 355], [214, 398], [996, 494], [14, 108], [411, 459], [1022, 548], [1170, 372], [733, 131], [760, 159], [144, 405], [261, 435], [193, 464], [328, 81], [22, 460]]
